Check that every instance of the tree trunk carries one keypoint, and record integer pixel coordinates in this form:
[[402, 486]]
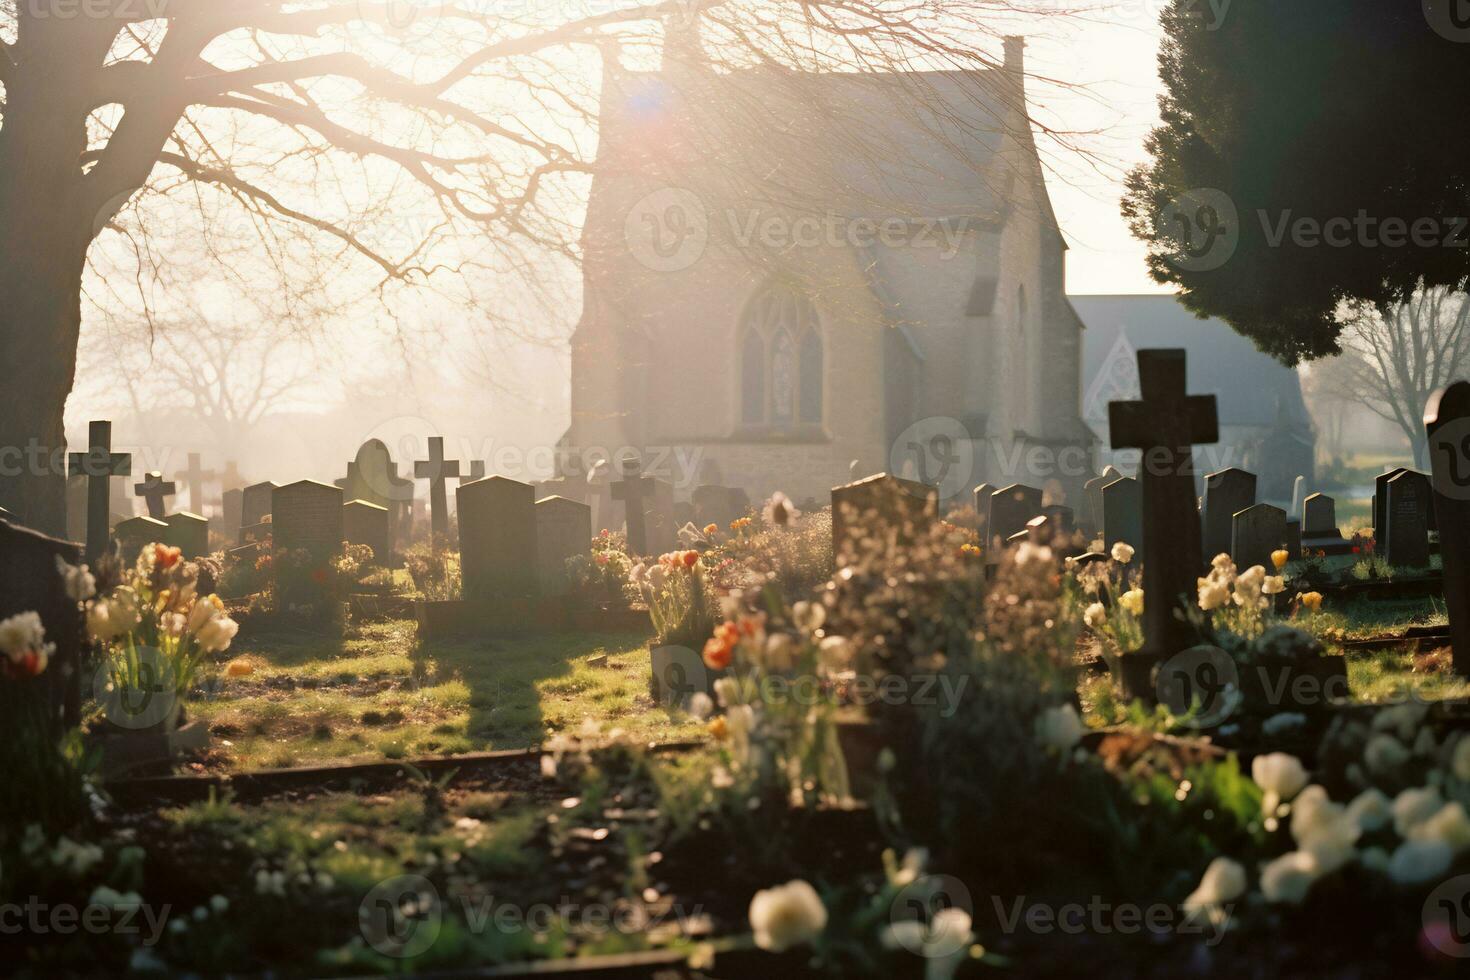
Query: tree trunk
[[44, 234]]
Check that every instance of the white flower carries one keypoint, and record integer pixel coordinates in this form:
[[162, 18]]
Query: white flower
[[786, 916], [1028, 552], [1371, 810], [1212, 594], [113, 899], [1418, 861], [20, 633], [727, 692], [914, 861], [835, 653], [1096, 616], [1059, 728], [1449, 824], [1323, 829], [216, 635], [76, 858], [548, 766], [1287, 879], [779, 511], [1385, 755], [808, 616], [1122, 553], [1280, 776], [780, 653], [270, 882], [80, 583], [700, 705], [1273, 585], [1414, 806], [1223, 881], [1283, 721]]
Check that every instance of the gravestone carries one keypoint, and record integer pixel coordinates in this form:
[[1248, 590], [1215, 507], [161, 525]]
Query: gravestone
[[30, 582], [76, 508], [719, 505], [99, 464], [194, 476], [497, 538], [436, 469], [254, 534], [188, 532], [982, 496], [598, 495], [559, 486], [563, 530], [155, 490], [232, 505], [876, 506], [1319, 526], [1060, 519], [255, 503], [1380, 502], [373, 476], [133, 534], [1091, 517], [1227, 493], [1257, 531], [1447, 424], [1164, 425], [364, 522], [1293, 540], [633, 491], [1010, 508], [306, 531], [1122, 510], [1298, 496], [1408, 502]]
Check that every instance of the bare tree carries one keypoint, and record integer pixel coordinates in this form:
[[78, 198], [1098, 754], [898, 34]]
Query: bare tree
[[1393, 361], [448, 143]]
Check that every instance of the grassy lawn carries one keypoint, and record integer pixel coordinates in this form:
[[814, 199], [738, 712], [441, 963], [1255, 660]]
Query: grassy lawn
[[377, 693]]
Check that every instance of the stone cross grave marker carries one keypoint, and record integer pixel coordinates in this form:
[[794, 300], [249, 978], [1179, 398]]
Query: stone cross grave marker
[[1164, 425], [133, 534], [99, 464], [436, 469], [30, 582], [364, 522], [497, 538], [154, 490], [1257, 531], [1447, 423], [1010, 508], [1227, 493], [1122, 511], [880, 504], [563, 530], [188, 532], [1407, 516], [632, 490], [194, 476], [306, 526]]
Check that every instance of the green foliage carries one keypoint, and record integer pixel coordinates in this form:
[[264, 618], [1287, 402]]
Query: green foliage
[[435, 571]]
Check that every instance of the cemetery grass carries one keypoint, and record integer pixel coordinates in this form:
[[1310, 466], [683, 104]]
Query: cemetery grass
[[377, 693]]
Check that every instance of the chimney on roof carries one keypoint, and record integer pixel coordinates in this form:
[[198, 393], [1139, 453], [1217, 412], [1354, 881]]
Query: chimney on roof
[[1015, 48]]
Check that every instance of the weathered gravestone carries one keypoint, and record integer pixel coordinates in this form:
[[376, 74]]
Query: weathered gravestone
[[255, 504], [30, 582], [1319, 526], [436, 469], [1293, 540], [1227, 493], [1010, 508], [1164, 425], [372, 476], [133, 534], [982, 495], [563, 531], [633, 492], [1122, 510], [232, 506], [364, 522], [1380, 502], [188, 532], [1257, 531], [718, 505], [497, 538], [99, 464], [306, 531], [1447, 423], [1406, 537], [878, 507], [1091, 517], [155, 490]]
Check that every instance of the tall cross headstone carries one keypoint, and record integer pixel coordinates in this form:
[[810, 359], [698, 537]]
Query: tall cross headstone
[[1447, 423], [1165, 426], [194, 477], [154, 489], [436, 469], [631, 490], [99, 464]]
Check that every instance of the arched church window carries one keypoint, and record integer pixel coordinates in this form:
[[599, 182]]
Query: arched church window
[[781, 359]]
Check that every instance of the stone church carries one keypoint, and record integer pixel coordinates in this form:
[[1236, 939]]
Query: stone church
[[785, 271]]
